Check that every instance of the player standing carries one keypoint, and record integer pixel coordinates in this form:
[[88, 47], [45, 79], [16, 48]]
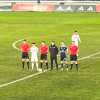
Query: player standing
[[53, 54], [34, 56], [73, 55], [25, 53], [43, 54], [76, 38], [63, 55]]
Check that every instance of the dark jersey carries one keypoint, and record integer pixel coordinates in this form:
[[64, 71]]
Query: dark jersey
[[53, 50], [63, 50]]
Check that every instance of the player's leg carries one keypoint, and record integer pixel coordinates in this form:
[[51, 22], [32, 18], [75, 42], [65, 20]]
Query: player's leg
[[64, 58], [76, 62], [61, 59], [32, 65], [46, 61], [23, 63], [62, 65], [51, 59], [32, 62], [62, 62], [66, 62], [71, 61], [36, 62], [37, 67], [67, 65], [76, 65], [28, 64], [27, 59], [56, 62], [41, 61], [71, 65], [23, 60]]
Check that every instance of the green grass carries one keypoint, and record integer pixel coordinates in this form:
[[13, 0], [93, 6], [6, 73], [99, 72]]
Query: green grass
[[54, 85]]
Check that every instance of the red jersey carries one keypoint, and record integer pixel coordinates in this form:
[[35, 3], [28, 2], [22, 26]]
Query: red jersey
[[43, 49], [73, 50], [25, 47]]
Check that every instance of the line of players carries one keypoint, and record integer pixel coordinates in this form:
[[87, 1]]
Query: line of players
[[44, 49]]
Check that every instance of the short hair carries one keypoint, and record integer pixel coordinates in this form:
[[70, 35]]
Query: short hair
[[33, 43], [53, 41], [62, 42], [75, 31], [43, 41], [24, 40]]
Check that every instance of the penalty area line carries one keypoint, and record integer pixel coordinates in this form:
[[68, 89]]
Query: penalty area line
[[38, 73]]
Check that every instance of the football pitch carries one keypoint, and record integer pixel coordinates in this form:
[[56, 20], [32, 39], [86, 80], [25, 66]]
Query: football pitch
[[51, 85]]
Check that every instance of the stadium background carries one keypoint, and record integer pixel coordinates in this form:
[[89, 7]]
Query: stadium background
[[51, 6]]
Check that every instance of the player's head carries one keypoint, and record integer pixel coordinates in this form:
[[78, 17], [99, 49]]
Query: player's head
[[33, 43], [24, 41], [43, 42], [53, 43], [75, 31]]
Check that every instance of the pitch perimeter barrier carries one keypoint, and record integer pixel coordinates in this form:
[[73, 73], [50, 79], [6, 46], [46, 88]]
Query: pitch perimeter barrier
[[51, 6]]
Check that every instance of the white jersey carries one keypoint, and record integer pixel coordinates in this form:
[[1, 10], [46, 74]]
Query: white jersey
[[76, 39], [34, 53]]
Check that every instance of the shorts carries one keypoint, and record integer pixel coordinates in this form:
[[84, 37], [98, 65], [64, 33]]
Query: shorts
[[73, 57], [35, 59], [25, 55], [43, 57], [63, 57]]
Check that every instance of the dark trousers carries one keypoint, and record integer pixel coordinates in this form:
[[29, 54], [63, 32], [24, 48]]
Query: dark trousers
[[52, 61]]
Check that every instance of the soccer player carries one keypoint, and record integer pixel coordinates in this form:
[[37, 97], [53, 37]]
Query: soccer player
[[34, 56], [25, 53], [73, 55], [53, 54], [43, 54], [76, 38], [63, 55]]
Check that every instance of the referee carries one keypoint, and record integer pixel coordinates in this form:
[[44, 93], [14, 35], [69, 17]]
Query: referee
[[53, 49]]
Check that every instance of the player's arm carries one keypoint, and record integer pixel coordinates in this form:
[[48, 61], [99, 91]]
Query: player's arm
[[28, 46], [57, 49], [77, 51], [21, 47], [79, 39], [60, 50], [38, 52], [67, 51], [47, 49], [40, 49], [73, 39]]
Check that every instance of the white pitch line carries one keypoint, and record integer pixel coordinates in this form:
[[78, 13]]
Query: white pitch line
[[87, 57], [21, 79], [38, 73], [14, 44]]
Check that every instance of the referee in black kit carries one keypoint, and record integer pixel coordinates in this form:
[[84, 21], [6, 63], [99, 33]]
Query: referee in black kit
[[53, 54]]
